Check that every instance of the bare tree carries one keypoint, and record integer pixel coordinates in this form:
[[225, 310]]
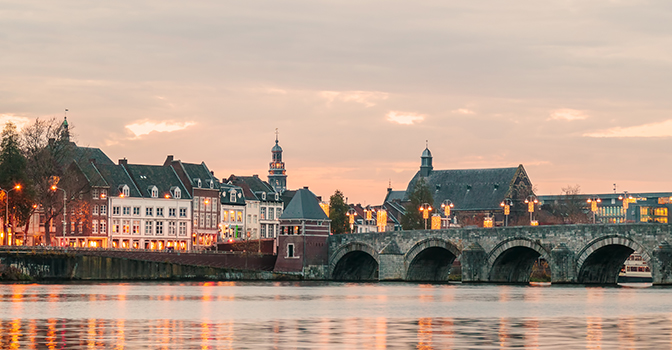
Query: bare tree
[[570, 208]]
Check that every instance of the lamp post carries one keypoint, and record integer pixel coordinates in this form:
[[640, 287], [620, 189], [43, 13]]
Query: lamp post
[[369, 215], [351, 215], [626, 198], [593, 205], [381, 217], [506, 204], [531, 201], [7, 240], [425, 208], [65, 224], [447, 205]]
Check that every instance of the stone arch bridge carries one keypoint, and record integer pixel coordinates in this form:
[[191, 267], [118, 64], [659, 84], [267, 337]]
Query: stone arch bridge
[[575, 253]]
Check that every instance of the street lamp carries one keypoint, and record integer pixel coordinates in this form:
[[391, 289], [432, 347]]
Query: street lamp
[[506, 204], [381, 217], [531, 201], [425, 208], [627, 199], [351, 214], [65, 224], [447, 205], [369, 214], [7, 240], [593, 205]]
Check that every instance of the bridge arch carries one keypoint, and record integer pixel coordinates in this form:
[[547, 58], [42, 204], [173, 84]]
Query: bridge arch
[[602, 258], [511, 260], [355, 261], [430, 260]]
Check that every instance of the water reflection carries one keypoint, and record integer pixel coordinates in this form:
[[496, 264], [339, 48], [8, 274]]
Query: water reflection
[[235, 315]]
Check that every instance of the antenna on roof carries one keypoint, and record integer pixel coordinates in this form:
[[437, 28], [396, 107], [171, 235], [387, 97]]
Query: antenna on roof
[[426, 143], [276, 134]]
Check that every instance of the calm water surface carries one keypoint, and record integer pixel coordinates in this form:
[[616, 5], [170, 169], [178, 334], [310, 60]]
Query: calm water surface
[[234, 315]]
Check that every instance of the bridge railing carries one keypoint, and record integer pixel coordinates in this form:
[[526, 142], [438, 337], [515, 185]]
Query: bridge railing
[[121, 250]]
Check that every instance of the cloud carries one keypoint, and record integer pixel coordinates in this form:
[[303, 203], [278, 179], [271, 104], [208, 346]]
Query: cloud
[[20, 122], [662, 129], [463, 111], [366, 98], [144, 128], [568, 114], [404, 118]]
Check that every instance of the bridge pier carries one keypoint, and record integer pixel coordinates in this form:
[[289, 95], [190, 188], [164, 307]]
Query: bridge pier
[[474, 262], [563, 269], [661, 264]]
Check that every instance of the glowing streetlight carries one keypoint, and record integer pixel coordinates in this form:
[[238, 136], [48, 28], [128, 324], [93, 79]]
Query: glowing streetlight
[[7, 239], [627, 199], [351, 214], [531, 201], [593, 201], [381, 217], [447, 205], [506, 204], [65, 225], [425, 208]]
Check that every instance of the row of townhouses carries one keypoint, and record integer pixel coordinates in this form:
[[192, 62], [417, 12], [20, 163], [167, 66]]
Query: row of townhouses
[[175, 205]]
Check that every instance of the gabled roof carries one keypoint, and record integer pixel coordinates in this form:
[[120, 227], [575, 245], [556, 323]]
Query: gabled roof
[[471, 189], [89, 170], [164, 178], [116, 176], [199, 171], [394, 195], [304, 205], [225, 195], [252, 185]]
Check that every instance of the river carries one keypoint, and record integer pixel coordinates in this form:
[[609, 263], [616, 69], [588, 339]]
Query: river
[[267, 315]]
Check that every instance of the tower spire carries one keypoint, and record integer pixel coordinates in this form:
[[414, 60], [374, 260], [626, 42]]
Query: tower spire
[[277, 177]]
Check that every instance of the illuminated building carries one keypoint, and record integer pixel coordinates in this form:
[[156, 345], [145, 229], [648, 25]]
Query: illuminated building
[[277, 175], [263, 206], [232, 223]]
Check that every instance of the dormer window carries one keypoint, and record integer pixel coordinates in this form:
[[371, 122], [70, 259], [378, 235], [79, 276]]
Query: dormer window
[[263, 196], [155, 192], [124, 191], [211, 183], [277, 197], [232, 195], [199, 183], [177, 193]]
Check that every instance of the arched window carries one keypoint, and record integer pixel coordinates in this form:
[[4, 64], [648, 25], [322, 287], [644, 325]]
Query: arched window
[[126, 191], [155, 192], [232, 194], [177, 194]]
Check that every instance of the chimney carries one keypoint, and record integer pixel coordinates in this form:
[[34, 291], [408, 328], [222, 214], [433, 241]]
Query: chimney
[[123, 162], [169, 160], [255, 176], [305, 187], [212, 172]]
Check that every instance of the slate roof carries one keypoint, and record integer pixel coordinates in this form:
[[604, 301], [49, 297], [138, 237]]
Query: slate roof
[[470, 189], [394, 196], [252, 186], [164, 178], [93, 176], [304, 205], [199, 171], [116, 176], [225, 197]]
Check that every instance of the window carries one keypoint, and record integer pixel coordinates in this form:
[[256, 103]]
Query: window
[[183, 228], [183, 212], [254, 217], [103, 210], [171, 228], [263, 231], [115, 226], [271, 231], [207, 221], [159, 211], [103, 194], [116, 210], [263, 213], [195, 219], [127, 211], [195, 202], [239, 216], [225, 216], [263, 196], [94, 194], [126, 227], [136, 227], [201, 221], [136, 211], [290, 250], [278, 212], [171, 212], [80, 229], [155, 192], [148, 227], [103, 227], [126, 191], [271, 211], [94, 226], [249, 218], [149, 211], [95, 210], [232, 196], [159, 228], [177, 193], [202, 206]]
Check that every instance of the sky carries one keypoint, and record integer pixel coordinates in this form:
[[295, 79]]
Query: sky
[[576, 91]]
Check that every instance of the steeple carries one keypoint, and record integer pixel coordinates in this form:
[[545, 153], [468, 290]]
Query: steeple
[[65, 132], [277, 176], [426, 161]]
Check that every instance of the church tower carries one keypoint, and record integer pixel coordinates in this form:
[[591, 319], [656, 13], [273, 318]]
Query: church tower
[[426, 164], [277, 175]]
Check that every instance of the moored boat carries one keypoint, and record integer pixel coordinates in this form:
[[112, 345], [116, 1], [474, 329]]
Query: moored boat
[[635, 270]]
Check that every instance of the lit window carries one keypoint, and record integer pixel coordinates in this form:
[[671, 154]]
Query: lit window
[[94, 226], [103, 226]]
